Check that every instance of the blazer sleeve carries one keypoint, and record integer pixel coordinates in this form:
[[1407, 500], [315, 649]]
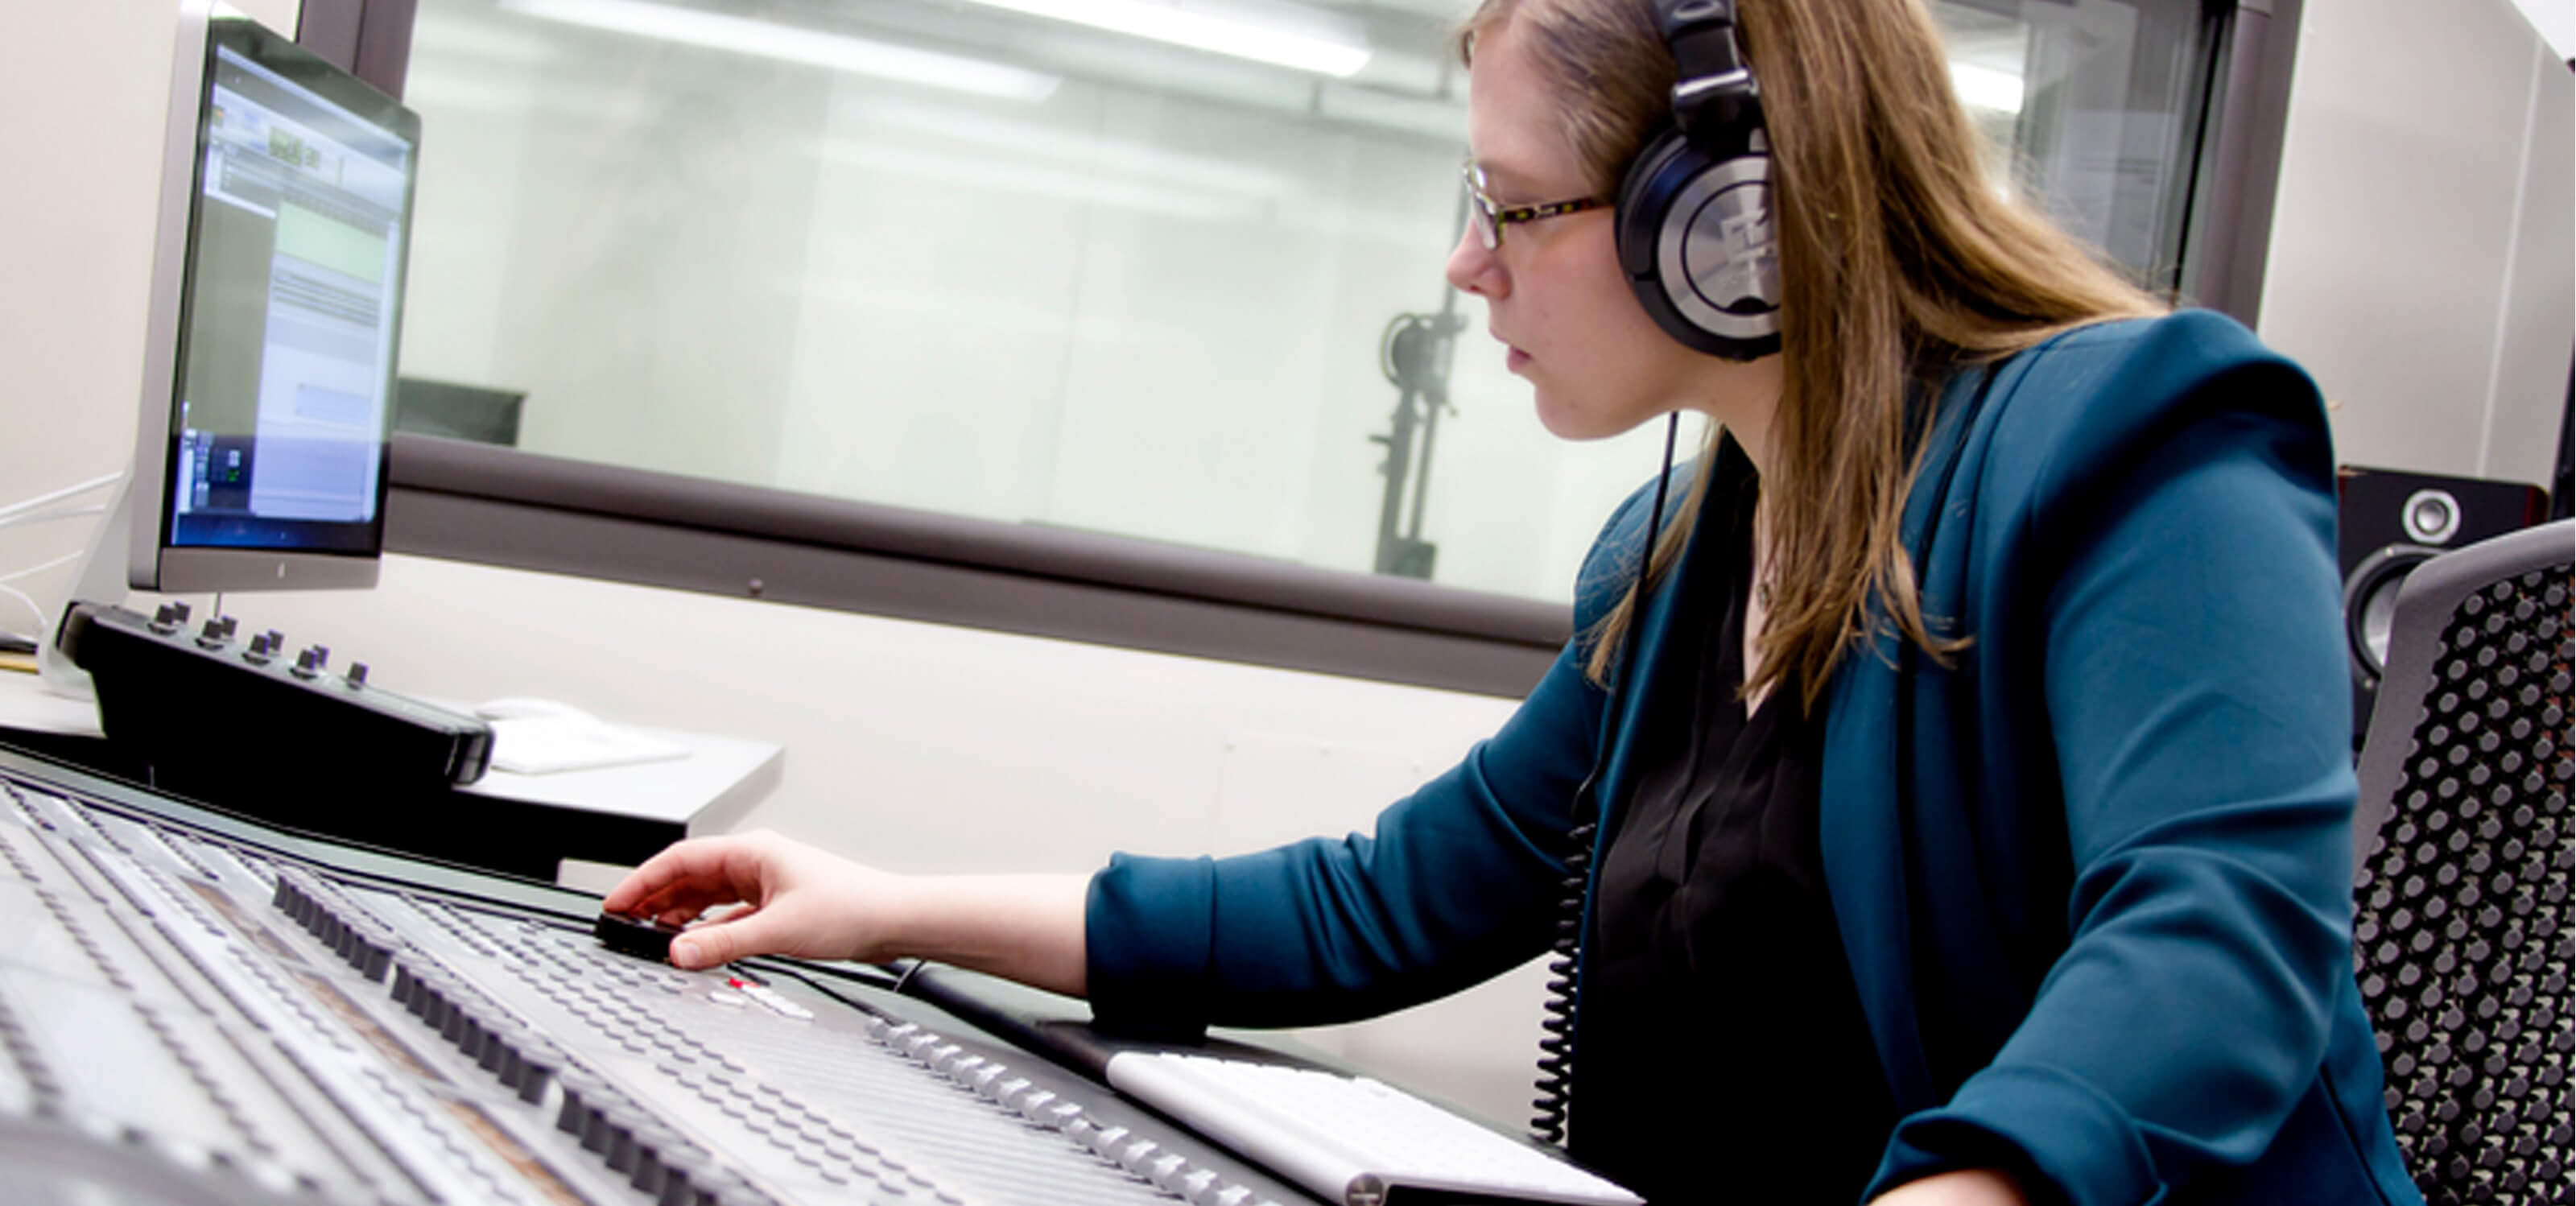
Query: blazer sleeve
[[2194, 686], [1457, 883]]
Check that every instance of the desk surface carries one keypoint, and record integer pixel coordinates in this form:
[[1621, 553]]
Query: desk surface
[[26, 705], [707, 792]]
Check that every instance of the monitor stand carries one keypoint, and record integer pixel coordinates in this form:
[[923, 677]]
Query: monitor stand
[[102, 579]]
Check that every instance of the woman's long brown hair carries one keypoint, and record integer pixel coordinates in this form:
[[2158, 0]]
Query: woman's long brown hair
[[1901, 260]]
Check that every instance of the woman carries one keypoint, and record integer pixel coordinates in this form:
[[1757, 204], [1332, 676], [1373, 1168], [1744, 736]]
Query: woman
[[1969, 760]]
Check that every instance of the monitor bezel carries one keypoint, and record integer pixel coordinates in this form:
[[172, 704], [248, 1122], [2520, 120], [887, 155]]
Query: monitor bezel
[[153, 562]]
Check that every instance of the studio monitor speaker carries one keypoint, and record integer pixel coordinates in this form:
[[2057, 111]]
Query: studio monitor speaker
[[2393, 521]]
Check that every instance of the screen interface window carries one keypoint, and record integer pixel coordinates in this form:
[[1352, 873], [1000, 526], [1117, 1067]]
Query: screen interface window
[[292, 306]]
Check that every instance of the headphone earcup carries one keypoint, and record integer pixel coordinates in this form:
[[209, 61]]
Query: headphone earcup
[[1696, 241]]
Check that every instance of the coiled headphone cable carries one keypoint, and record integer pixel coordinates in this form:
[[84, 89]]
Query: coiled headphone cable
[[1555, 1083]]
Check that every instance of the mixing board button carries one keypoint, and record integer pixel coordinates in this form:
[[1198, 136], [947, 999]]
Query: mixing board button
[[649, 1173], [621, 1149], [598, 1134], [775, 1003], [404, 983], [493, 1055], [1105, 1139], [678, 1187], [650, 1169], [378, 957], [572, 1115]]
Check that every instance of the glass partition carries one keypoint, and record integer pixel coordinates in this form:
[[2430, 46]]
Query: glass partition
[[1168, 271]]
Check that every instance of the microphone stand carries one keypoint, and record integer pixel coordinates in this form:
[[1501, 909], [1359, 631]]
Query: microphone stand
[[1414, 353]]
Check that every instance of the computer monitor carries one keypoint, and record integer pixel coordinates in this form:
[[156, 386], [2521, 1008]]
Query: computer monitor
[[268, 388], [272, 334]]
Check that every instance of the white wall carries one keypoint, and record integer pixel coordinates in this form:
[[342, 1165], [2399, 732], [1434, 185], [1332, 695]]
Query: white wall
[[2556, 21], [2423, 259]]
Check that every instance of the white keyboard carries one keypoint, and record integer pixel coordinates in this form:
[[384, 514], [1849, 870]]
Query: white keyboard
[[1351, 1139]]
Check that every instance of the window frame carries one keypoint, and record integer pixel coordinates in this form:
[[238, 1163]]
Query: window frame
[[463, 501]]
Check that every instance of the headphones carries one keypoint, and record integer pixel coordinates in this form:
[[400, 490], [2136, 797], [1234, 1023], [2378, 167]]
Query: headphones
[[1694, 214]]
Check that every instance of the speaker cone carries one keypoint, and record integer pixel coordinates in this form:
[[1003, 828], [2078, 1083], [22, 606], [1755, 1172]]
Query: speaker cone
[[2370, 604]]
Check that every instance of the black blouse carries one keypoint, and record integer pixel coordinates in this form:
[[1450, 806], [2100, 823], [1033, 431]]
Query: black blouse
[[1722, 1054]]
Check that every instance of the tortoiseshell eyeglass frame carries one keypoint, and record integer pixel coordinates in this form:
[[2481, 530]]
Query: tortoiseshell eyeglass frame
[[1489, 219]]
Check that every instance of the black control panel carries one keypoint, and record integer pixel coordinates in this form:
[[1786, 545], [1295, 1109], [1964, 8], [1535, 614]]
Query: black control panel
[[210, 706]]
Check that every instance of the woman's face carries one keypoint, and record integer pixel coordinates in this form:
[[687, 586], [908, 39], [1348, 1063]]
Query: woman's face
[[1553, 290]]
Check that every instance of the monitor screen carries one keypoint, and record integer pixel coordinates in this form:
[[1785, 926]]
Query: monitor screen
[[272, 426]]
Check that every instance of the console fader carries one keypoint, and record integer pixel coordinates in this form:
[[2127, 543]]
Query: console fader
[[194, 1008]]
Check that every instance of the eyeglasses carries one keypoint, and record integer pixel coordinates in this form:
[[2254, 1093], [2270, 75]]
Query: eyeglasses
[[1490, 219]]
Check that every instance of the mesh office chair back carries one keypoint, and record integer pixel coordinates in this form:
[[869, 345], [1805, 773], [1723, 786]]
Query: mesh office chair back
[[2464, 849]]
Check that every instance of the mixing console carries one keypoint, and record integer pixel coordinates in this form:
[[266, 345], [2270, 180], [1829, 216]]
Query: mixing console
[[194, 1008]]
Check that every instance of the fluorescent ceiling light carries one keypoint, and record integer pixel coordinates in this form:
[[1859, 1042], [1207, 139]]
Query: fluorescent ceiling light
[[1024, 141], [1150, 197], [1986, 87], [715, 31], [1305, 39]]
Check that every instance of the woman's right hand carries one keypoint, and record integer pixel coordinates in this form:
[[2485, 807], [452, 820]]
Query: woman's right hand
[[799, 900]]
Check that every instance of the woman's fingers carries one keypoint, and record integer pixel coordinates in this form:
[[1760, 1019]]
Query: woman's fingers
[[679, 903], [750, 894], [699, 872], [758, 932]]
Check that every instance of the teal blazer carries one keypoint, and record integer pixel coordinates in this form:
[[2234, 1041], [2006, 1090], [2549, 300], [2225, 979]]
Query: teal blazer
[[2093, 877]]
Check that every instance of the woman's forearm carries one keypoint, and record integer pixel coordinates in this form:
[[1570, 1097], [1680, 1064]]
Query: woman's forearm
[[1021, 927]]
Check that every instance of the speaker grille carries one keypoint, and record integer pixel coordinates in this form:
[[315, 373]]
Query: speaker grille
[[2460, 936]]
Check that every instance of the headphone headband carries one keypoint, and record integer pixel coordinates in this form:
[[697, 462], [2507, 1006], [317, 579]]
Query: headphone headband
[[1712, 88], [1695, 233]]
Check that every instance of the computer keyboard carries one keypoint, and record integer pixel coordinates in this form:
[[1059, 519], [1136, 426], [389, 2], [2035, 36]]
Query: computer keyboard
[[1349, 1139]]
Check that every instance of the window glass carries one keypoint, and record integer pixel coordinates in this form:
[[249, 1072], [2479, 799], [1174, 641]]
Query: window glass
[[2095, 109], [964, 257]]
